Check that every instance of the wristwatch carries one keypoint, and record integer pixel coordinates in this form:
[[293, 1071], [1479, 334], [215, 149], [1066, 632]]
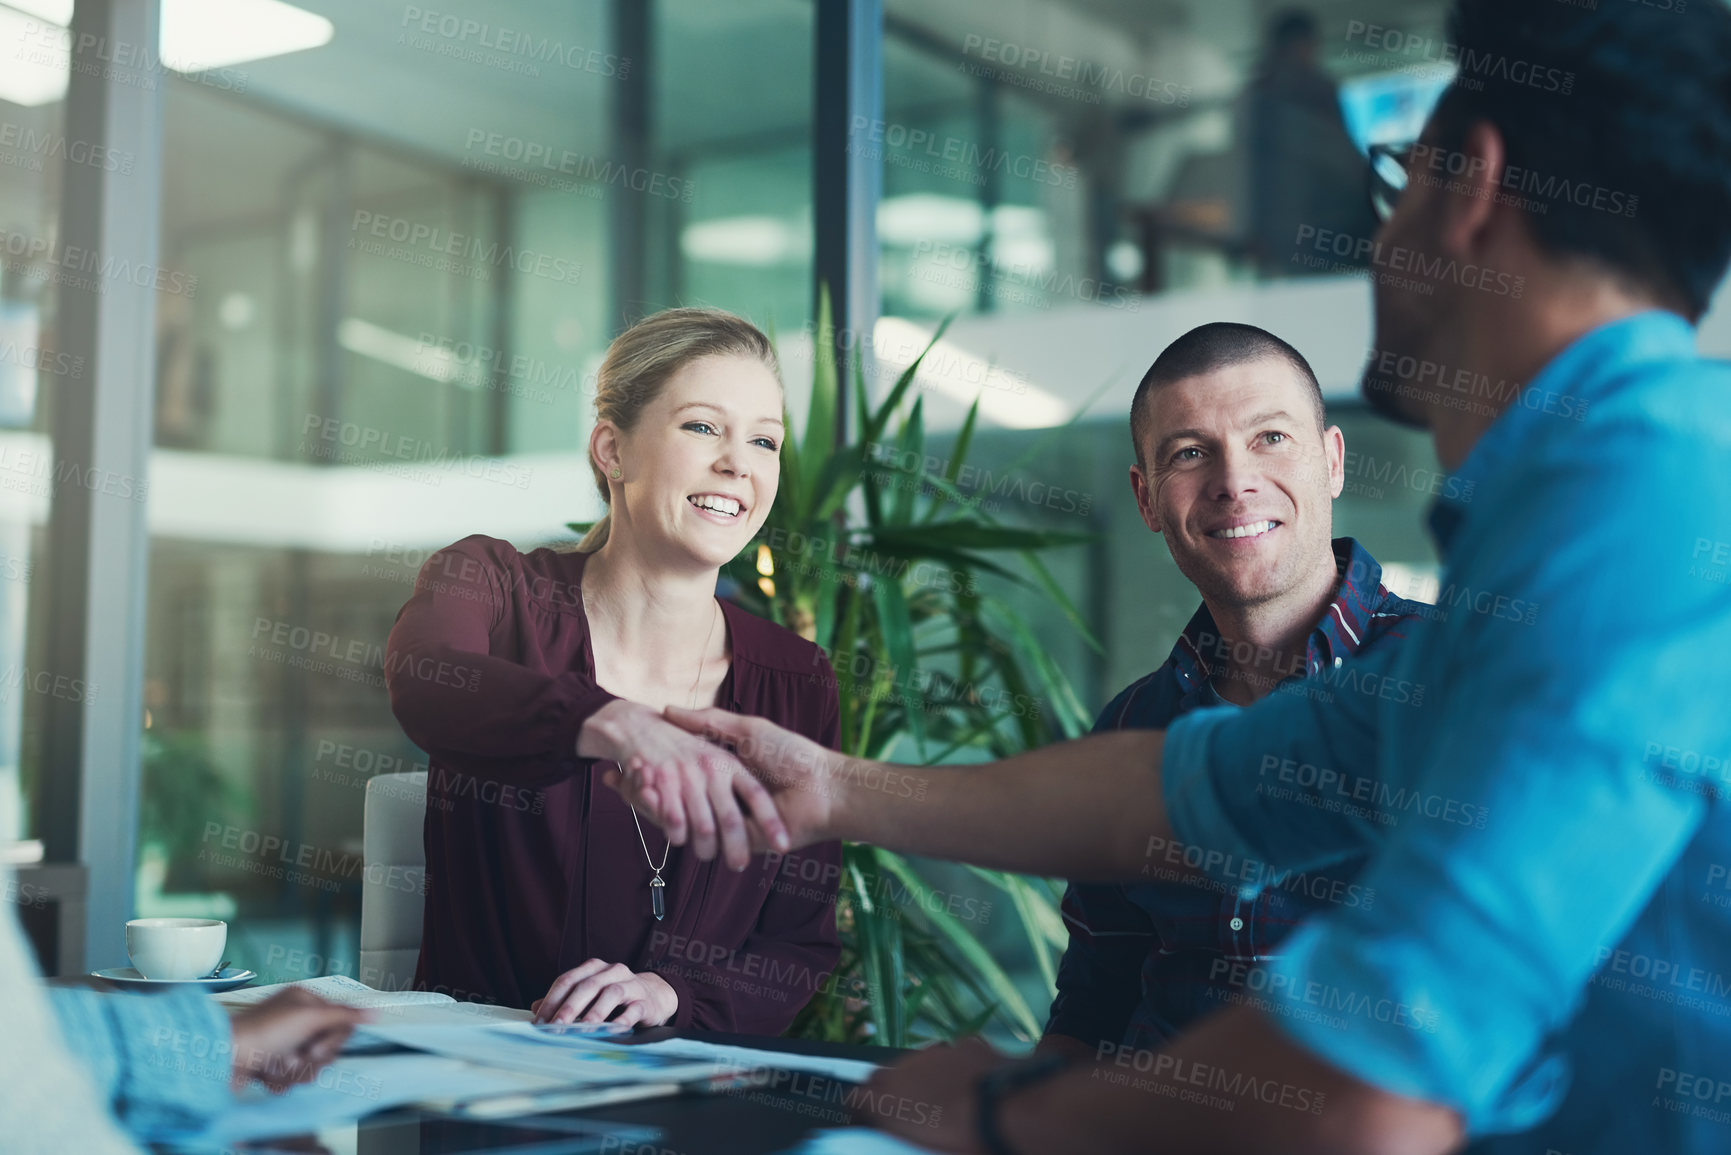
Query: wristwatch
[[1007, 1080]]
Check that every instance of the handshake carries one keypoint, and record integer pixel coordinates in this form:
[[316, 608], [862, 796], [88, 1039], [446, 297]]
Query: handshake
[[724, 782], [735, 785]]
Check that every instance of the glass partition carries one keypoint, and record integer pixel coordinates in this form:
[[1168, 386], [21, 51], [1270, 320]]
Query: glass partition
[[413, 243], [35, 154]]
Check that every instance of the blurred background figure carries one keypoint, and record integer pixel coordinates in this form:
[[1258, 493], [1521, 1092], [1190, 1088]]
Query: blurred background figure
[[1303, 166]]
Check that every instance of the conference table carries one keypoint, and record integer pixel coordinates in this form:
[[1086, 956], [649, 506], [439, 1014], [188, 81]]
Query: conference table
[[746, 1121]]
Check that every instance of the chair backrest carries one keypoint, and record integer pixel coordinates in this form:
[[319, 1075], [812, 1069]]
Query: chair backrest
[[393, 885]]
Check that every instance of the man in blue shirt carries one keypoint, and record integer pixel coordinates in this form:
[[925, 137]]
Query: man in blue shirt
[[1237, 469], [1551, 970]]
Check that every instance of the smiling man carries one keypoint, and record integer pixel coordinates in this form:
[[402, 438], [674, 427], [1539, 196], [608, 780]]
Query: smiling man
[[1237, 469]]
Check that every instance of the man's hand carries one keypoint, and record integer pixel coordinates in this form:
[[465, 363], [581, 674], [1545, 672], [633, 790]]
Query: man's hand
[[592, 991], [288, 1038], [789, 795], [1112, 1107], [1089, 810], [931, 1098], [689, 787]]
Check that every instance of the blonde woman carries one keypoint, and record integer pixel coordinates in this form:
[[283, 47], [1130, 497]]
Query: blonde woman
[[526, 677]]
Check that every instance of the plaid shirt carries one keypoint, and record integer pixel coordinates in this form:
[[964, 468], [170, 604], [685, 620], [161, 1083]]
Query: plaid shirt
[[1146, 959]]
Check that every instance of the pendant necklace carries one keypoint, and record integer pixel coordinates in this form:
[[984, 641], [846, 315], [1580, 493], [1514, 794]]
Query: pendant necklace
[[658, 888]]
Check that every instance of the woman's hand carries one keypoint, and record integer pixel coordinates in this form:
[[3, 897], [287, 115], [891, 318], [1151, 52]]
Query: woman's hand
[[596, 989], [803, 783], [687, 785]]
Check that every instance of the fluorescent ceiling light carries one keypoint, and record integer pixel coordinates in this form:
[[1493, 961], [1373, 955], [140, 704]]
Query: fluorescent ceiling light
[[1019, 220], [1031, 254], [53, 11], [753, 241], [904, 221], [236, 311], [199, 35], [400, 351], [36, 73], [1006, 399], [908, 220]]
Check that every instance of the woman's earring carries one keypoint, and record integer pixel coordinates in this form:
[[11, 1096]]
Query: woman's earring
[[615, 474]]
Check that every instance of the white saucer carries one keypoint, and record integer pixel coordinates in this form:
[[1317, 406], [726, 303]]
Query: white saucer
[[230, 979]]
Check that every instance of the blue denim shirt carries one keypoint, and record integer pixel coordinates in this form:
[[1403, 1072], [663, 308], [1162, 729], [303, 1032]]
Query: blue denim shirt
[[1146, 959], [162, 1060], [1550, 829]]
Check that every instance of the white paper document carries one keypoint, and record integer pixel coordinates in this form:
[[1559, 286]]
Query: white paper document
[[390, 1006], [847, 1070], [521, 1047], [353, 1087], [337, 989]]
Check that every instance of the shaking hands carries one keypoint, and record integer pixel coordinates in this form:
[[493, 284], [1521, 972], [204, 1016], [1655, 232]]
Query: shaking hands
[[690, 771]]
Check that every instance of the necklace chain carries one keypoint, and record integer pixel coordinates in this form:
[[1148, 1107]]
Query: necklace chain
[[702, 660]]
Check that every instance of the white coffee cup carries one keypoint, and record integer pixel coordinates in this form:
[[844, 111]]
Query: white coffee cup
[[176, 948]]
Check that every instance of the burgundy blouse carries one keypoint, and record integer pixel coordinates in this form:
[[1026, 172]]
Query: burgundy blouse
[[533, 865]]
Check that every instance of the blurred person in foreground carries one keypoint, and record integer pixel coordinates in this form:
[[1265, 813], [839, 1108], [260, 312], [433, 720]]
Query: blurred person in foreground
[[1236, 468], [94, 1072], [1551, 971]]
